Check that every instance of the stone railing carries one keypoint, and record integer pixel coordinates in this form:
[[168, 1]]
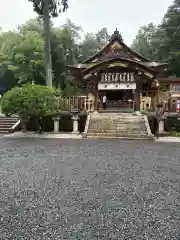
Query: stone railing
[[82, 103]]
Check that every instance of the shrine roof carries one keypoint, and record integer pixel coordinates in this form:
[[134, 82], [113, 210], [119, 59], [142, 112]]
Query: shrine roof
[[116, 48], [123, 62], [147, 64]]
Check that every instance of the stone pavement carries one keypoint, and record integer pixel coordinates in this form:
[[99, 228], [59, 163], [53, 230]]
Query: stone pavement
[[75, 136], [168, 139], [91, 189], [43, 135]]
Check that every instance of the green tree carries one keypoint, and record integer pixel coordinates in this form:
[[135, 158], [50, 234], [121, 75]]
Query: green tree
[[54, 6], [65, 51], [8, 41], [27, 59], [29, 100], [47, 9], [145, 41], [162, 43], [102, 37], [22, 54], [92, 43], [171, 28]]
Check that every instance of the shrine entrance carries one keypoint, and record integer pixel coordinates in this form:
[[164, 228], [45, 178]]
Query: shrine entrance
[[121, 82], [119, 88], [118, 98]]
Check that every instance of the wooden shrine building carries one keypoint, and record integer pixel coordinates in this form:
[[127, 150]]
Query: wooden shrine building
[[123, 75]]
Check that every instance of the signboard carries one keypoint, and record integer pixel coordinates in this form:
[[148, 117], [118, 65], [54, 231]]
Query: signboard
[[112, 86], [118, 77]]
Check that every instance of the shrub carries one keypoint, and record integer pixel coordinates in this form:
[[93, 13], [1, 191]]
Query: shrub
[[29, 100], [172, 124]]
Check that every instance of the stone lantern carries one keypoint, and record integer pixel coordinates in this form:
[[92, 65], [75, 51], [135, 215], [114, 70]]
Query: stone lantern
[[75, 118]]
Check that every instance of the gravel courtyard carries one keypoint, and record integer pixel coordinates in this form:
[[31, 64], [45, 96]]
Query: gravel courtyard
[[89, 189]]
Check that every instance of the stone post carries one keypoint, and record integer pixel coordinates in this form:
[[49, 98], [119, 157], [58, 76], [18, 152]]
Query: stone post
[[24, 121], [56, 124], [161, 125], [23, 127], [75, 119]]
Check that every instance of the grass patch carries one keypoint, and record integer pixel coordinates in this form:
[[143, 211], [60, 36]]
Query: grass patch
[[174, 134]]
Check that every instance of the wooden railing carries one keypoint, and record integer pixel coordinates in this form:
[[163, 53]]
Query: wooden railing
[[81, 103]]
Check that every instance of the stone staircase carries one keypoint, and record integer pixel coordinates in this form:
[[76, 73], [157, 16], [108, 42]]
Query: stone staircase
[[6, 124], [118, 125]]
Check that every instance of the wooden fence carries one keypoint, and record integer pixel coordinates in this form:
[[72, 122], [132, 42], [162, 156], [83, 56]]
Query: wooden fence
[[81, 103]]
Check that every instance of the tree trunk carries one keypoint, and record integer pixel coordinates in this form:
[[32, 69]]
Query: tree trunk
[[47, 44]]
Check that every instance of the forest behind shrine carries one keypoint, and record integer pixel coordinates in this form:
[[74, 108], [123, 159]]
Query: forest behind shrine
[[22, 50]]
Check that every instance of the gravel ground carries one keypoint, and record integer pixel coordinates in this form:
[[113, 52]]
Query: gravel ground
[[74, 189]]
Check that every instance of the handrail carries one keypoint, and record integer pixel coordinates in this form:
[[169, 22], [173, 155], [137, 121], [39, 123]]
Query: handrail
[[15, 125]]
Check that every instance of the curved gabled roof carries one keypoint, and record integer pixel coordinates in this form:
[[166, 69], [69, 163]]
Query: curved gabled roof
[[116, 37], [133, 64]]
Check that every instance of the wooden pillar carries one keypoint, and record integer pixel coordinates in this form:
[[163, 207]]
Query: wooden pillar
[[96, 104], [137, 93], [133, 100]]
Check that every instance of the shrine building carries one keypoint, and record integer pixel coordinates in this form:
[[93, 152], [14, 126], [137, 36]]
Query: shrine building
[[125, 77]]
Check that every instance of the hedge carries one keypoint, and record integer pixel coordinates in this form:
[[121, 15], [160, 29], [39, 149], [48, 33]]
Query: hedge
[[172, 124]]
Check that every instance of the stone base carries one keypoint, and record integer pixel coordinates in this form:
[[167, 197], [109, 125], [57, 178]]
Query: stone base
[[84, 135], [95, 112], [138, 113], [77, 132]]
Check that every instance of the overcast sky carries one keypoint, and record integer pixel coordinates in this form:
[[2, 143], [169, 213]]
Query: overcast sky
[[92, 15]]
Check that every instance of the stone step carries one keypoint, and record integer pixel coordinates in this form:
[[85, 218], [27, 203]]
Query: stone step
[[122, 138], [109, 121], [7, 123], [8, 120], [117, 135], [116, 130], [118, 118], [123, 126], [117, 126], [4, 132], [6, 126], [117, 122], [130, 126], [115, 114]]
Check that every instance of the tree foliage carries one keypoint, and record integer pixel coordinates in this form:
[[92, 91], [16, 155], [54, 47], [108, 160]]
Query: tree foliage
[[161, 43], [22, 51], [22, 54], [55, 6], [29, 100]]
